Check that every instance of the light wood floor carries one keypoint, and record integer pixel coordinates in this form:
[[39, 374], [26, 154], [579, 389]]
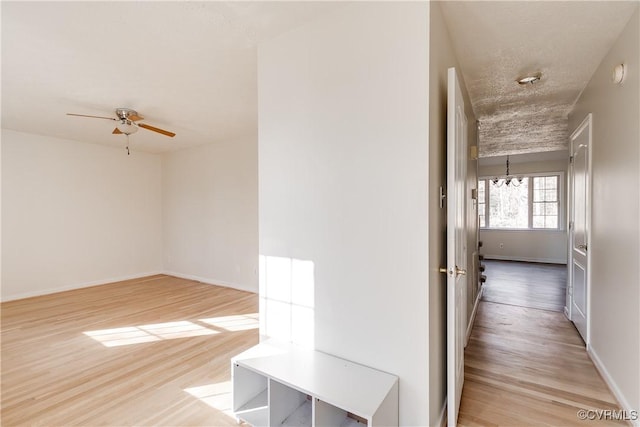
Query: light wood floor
[[528, 366], [152, 351]]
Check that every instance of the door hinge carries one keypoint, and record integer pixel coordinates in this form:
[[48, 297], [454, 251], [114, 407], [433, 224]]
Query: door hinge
[[570, 159]]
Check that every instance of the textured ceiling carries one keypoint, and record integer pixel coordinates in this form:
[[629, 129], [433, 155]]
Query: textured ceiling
[[497, 42], [189, 67]]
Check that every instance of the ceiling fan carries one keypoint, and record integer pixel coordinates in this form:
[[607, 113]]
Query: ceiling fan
[[127, 122]]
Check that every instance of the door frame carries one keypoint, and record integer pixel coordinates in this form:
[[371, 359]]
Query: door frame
[[587, 122]]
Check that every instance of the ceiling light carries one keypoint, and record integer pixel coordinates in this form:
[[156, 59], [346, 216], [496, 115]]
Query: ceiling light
[[531, 79], [507, 180], [127, 126]]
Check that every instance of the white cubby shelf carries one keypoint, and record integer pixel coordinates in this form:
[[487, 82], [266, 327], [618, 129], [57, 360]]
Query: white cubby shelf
[[281, 384]]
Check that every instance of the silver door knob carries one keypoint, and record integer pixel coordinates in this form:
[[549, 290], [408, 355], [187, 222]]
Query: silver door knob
[[460, 271]]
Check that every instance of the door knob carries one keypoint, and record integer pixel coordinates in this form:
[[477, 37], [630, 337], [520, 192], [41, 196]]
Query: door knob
[[458, 271]]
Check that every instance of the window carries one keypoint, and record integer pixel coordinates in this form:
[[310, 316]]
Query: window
[[534, 204], [508, 205], [481, 202], [545, 202]]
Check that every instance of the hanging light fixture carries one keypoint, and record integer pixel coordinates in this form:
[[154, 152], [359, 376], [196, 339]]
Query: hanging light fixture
[[126, 126], [508, 179]]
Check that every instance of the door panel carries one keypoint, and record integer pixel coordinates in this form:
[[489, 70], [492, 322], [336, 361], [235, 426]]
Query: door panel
[[456, 244], [579, 231]]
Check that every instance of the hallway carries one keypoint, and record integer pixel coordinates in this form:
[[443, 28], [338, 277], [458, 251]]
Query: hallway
[[524, 365]]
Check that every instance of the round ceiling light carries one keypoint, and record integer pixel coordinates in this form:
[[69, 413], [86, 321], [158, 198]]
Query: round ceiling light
[[531, 79], [127, 127]]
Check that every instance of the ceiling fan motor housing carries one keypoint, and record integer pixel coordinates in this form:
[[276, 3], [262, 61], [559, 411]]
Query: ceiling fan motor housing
[[125, 113]]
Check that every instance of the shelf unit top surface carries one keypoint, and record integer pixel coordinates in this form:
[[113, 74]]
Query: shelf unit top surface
[[344, 384]]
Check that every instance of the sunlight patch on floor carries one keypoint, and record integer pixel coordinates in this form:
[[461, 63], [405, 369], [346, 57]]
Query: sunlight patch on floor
[[241, 322], [148, 333], [217, 395]]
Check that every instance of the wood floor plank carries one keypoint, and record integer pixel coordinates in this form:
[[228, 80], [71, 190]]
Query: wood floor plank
[[177, 344], [528, 366]]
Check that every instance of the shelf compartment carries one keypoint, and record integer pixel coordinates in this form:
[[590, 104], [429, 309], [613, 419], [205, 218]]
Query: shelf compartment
[[300, 417], [327, 415], [288, 406], [250, 396]]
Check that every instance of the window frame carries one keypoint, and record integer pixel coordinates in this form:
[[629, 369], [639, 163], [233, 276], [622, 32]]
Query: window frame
[[561, 202]]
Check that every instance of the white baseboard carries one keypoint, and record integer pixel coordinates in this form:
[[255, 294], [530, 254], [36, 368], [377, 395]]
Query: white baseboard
[[526, 259], [472, 319], [622, 401], [89, 284], [209, 281], [566, 313]]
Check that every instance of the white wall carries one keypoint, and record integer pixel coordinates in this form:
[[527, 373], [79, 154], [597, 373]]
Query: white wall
[[210, 213], [615, 232], [548, 246], [441, 57], [75, 214], [343, 182]]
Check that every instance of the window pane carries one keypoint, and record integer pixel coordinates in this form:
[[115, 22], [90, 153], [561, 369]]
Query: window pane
[[509, 205], [538, 208], [481, 203], [538, 221]]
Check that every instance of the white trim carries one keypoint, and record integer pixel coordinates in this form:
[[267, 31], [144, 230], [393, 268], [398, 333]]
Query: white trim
[[520, 230], [80, 286], [212, 281], [472, 319], [442, 418], [566, 312], [622, 401], [526, 259]]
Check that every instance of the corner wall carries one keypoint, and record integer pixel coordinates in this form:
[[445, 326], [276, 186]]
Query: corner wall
[[76, 214], [344, 183], [615, 227], [210, 213]]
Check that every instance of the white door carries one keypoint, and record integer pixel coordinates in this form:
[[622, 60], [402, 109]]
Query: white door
[[579, 227], [456, 244]]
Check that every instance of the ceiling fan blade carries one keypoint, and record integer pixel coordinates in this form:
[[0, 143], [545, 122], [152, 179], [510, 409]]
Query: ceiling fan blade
[[155, 129], [116, 131], [135, 118], [94, 117]]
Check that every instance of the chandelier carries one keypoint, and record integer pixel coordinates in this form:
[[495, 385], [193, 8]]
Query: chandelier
[[508, 179]]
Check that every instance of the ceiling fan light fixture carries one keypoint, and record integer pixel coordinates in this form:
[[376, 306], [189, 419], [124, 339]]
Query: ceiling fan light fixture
[[530, 79], [127, 126]]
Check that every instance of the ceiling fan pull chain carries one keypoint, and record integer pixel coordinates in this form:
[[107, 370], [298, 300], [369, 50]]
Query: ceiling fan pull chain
[[128, 152]]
